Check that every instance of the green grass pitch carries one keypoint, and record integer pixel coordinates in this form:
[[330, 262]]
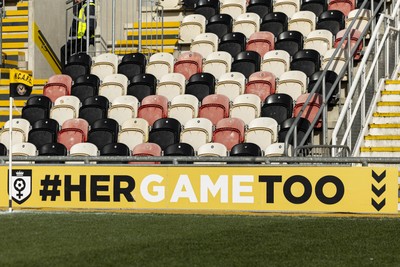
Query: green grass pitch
[[121, 239]]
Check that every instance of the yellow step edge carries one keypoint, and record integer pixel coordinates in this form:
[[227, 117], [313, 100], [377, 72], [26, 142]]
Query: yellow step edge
[[392, 82], [22, 4], [18, 103], [39, 82], [386, 114], [15, 35], [382, 137], [14, 53], [8, 20], [124, 51], [380, 149], [386, 104], [34, 91], [166, 24], [154, 32], [10, 13], [384, 125], [15, 45], [390, 92], [6, 113], [7, 70], [15, 29], [148, 42]]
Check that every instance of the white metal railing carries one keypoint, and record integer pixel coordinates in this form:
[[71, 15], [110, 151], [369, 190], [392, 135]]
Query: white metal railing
[[384, 44]]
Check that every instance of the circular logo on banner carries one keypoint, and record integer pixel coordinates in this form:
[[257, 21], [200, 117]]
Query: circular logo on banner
[[21, 89]]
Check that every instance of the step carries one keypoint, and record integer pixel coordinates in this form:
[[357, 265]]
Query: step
[[388, 117], [15, 21], [15, 38], [17, 13], [153, 24], [381, 140], [384, 129], [386, 106], [380, 152], [392, 85], [158, 42], [145, 50], [390, 96]]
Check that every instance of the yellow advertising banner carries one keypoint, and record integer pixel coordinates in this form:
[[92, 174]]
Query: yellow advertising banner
[[228, 188]]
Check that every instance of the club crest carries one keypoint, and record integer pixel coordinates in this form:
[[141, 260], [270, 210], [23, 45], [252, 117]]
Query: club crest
[[21, 185]]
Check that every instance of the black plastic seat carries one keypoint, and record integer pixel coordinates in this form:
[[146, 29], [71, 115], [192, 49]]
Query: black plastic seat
[[37, 107], [245, 149], [77, 65], [246, 62], [132, 64], [315, 6], [369, 4], [188, 5], [233, 43], [331, 20], [103, 131], [290, 41], [94, 108], [207, 8], [114, 149], [260, 7], [307, 61], [165, 132], [85, 86], [275, 22], [52, 149], [3, 150], [142, 85], [201, 85], [302, 127], [179, 149], [43, 131], [220, 24], [330, 78], [278, 107]]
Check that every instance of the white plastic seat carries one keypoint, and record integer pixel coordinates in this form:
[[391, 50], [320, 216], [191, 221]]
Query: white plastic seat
[[171, 85], [247, 23], [24, 149], [246, 107], [113, 86], [20, 131], [218, 63], [105, 64], [338, 62], [212, 150], [303, 21], [233, 7], [205, 44], [289, 7], [197, 132], [276, 62], [262, 131], [293, 83], [319, 40], [183, 108], [361, 21], [133, 132], [65, 108], [191, 26], [277, 150], [171, 4], [160, 64], [83, 150], [231, 84], [123, 108]]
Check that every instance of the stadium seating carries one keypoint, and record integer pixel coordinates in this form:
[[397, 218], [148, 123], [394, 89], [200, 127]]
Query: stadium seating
[[205, 44], [212, 150], [197, 132], [73, 131], [331, 20], [361, 20], [262, 131], [261, 42], [231, 84], [4, 150], [142, 85], [289, 7], [105, 64], [233, 43], [246, 62], [132, 64], [123, 108], [113, 85], [165, 131], [160, 64], [20, 131], [94, 108], [345, 6], [57, 85], [134, 131], [229, 132], [338, 61], [65, 108], [354, 35], [275, 22], [233, 7], [188, 63], [43, 132], [293, 83], [85, 86], [319, 40], [220, 25], [290, 41], [77, 65], [307, 61], [246, 107], [21, 149], [276, 62], [179, 149], [315, 6], [214, 107], [171, 85], [311, 109], [146, 150], [303, 22], [152, 108], [52, 149], [37, 107], [114, 149], [302, 127], [218, 63], [247, 23], [245, 150], [83, 150], [278, 106], [191, 26], [102, 132], [260, 7], [328, 81], [278, 150], [262, 84], [207, 8], [183, 108], [171, 4], [201, 85]]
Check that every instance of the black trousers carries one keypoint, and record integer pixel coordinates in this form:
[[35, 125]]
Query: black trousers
[[70, 48]]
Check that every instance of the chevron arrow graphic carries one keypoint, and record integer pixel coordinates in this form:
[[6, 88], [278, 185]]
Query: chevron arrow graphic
[[378, 192], [377, 177], [378, 206]]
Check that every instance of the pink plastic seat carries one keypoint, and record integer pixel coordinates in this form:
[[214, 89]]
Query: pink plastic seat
[[153, 107], [355, 35], [189, 63], [214, 107], [73, 131], [342, 5], [146, 150], [261, 83], [229, 132], [311, 110], [261, 42], [57, 85]]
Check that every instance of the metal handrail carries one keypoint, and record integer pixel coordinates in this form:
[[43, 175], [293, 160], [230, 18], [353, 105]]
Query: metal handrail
[[374, 39]]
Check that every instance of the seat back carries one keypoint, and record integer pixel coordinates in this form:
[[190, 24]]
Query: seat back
[[73, 131], [196, 132], [153, 107], [246, 107], [262, 84], [290, 41], [160, 64], [23, 149], [114, 85], [142, 85], [276, 62], [315, 6], [278, 106], [85, 86], [233, 7], [78, 64], [165, 131], [171, 85], [307, 61], [354, 35], [246, 62], [361, 20], [233, 43], [103, 131], [52, 149], [338, 61], [247, 23], [229, 132], [231, 84], [275, 22], [37, 107], [207, 8], [331, 20], [200, 85], [191, 26], [104, 65], [65, 107], [261, 42], [123, 108], [319, 40], [215, 107], [205, 44], [189, 63], [302, 127], [134, 131], [262, 131], [260, 7], [94, 108], [303, 22], [311, 109], [278, 150], [245, 150], [293, 83], [132, 64], [43, 132], [289, 7], [345, 6], [329, 79], [20, 131], [146, 150], [57, 85], [220, 24], [183, 108], [218, 63]]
